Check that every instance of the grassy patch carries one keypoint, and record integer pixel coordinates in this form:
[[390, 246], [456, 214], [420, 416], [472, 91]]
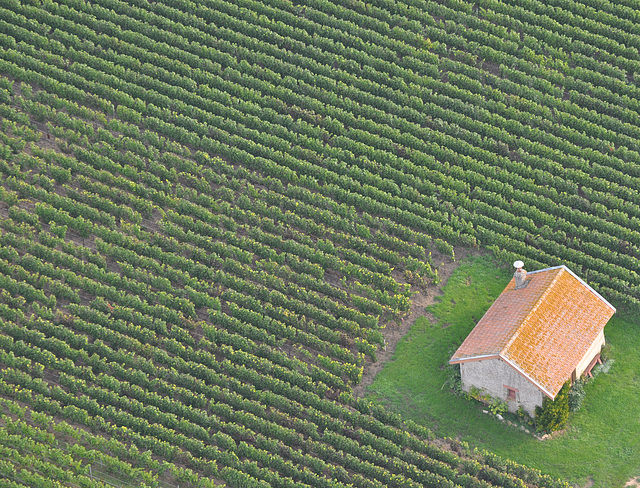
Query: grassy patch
[[602, 443]]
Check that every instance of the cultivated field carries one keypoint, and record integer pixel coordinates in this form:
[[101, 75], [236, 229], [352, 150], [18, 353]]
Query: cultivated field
[[210, 210]]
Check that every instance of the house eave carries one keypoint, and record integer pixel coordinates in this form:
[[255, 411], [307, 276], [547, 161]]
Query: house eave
[[473, 358]]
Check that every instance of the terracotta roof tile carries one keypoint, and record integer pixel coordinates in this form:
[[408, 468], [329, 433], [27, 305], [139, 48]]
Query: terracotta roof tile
[[544, 329]]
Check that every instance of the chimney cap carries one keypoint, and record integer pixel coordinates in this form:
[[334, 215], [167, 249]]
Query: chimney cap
[[518, 264]]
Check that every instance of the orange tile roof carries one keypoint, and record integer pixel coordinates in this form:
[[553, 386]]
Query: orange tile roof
[[543, 330]]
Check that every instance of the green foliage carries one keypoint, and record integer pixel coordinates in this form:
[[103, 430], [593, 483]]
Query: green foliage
[[217, 197], [494, 405], [454, 379], [553, 414], [58, 230], [576, 395], [497, 406]]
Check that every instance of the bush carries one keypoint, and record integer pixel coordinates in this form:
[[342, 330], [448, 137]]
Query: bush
[[553, 414], [605, 353], [576, 396], [454, 379], [498, 407], [602, 368]]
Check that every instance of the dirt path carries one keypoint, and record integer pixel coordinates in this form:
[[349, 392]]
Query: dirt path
[[393, 333]]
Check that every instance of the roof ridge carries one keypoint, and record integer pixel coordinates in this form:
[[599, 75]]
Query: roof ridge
[[535, 306], [551, 268], [590, 288], [583, 282]]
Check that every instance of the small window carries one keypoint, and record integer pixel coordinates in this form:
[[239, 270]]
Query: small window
[[511, 394]]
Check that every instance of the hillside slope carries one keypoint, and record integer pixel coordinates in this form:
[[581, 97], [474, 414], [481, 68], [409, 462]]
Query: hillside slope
[[210, 209]]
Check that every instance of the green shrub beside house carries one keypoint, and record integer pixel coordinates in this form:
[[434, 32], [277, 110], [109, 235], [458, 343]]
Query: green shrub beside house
[[553, 414]]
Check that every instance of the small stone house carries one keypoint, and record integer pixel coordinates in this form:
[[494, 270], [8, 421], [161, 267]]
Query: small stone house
[[545, 328]]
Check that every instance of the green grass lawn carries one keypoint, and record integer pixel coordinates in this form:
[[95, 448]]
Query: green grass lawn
[[601, 445]]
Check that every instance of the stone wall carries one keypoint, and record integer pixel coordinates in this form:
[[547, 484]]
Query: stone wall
[[494, 376]]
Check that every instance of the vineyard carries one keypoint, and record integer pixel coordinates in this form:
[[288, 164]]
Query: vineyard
[[210, 210]]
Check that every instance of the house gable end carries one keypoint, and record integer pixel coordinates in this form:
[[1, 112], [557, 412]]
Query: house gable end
[[498, 379]]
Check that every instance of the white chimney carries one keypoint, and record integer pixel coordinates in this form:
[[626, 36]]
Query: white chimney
[[520, 275]]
